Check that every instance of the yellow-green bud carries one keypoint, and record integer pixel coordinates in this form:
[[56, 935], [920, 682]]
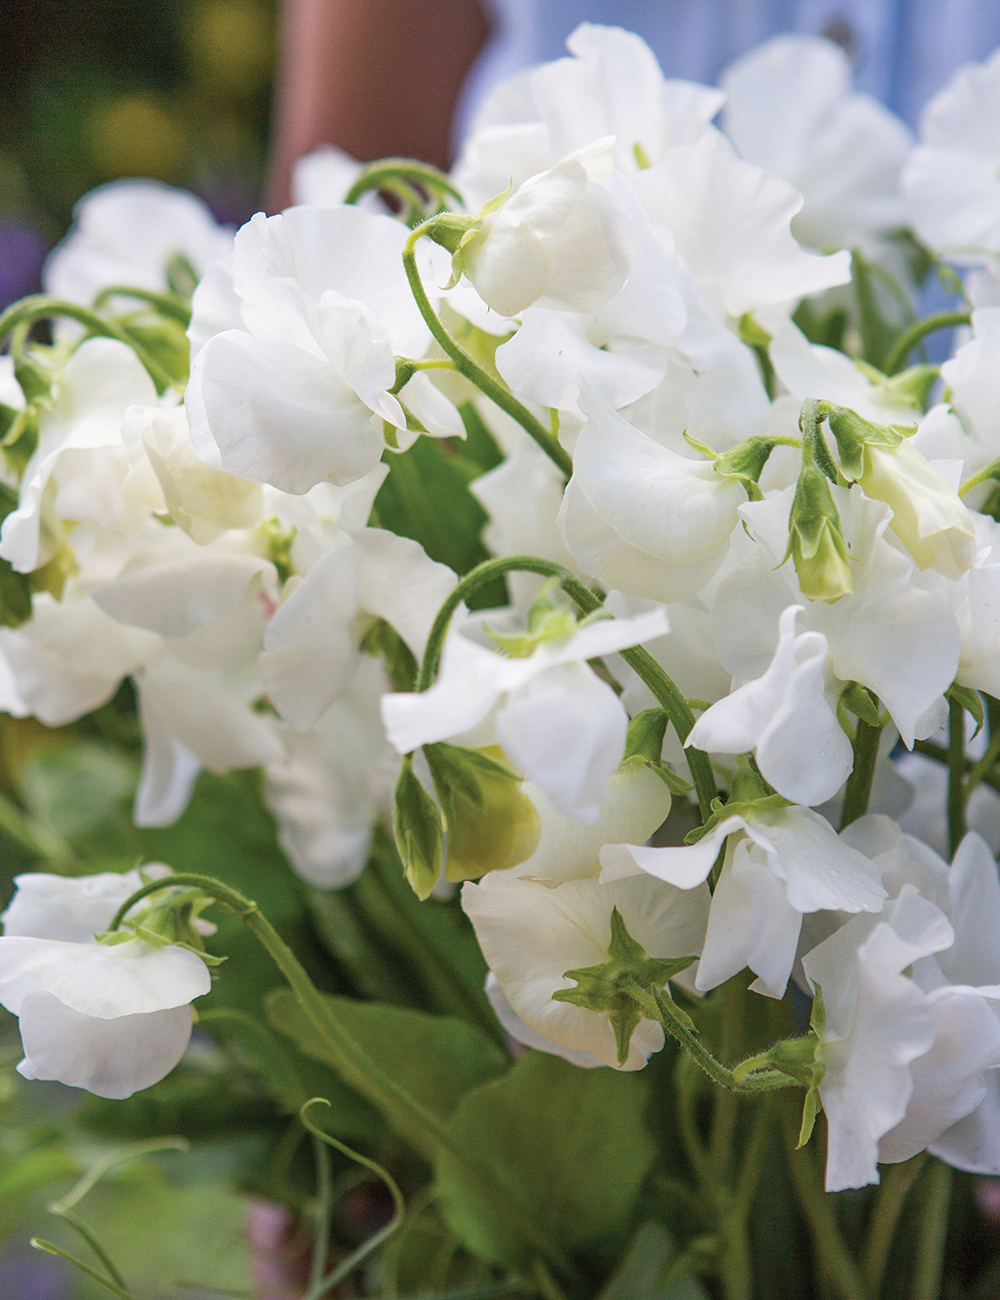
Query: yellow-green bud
[[491, 824], [816, 540]]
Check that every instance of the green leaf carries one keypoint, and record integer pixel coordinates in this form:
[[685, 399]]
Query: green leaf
[[426, 496], [436, 1059], [572, 1147], [639, 1277], [418, 830], [36, 1169]]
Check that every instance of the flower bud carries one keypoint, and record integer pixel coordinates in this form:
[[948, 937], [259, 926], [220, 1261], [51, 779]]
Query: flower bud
[[928, 515], [416, 824], [561, 241], [816, 539], [491, 823]]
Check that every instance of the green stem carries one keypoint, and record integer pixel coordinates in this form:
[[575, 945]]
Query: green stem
[[956, 774], [472, 370], [666, 692], [166, 304], [814, 447], [910, 338], [978, 770], [377, 174], [932, 1232], [858, 793], [40, 1244], [356, 1066], [320, 1284], [40, 306], [94, 1245], [832, 1256], [658, 1007], [896, 1183], [324, 1213]]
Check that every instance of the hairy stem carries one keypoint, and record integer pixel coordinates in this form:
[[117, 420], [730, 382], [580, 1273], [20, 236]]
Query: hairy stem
[[932, 1232]]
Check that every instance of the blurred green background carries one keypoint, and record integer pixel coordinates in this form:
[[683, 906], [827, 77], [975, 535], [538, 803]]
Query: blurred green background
[[97, 89]]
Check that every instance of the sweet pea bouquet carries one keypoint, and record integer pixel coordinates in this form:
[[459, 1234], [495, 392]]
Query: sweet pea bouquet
[[553, 612]]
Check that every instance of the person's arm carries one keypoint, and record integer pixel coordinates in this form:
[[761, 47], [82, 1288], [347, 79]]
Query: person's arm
[[376, 77]]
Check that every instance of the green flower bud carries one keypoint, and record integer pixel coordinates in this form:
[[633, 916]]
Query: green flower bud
[[491, 823], [816, 540], [417, 826]]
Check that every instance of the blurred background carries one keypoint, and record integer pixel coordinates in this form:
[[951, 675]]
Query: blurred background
[[93, 90]]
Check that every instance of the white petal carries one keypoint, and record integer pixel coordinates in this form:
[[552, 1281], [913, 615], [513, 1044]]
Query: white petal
[[309, 650], [523, 1032], [399, 582], [635, 804], [566, 730], [103, 980], [819, 869], [111, 1058], [686, 866], [750, 923], [295, 422]]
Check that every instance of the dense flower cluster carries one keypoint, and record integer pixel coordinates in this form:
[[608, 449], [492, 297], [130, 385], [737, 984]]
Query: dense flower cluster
[[647, 317]]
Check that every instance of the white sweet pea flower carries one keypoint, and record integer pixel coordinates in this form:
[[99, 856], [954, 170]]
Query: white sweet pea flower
[[878, 1022], [968, 428], [621, 350], [561, 241], [79, 466], [894, 634], [789, 109], [557, 720], [786, 719], [951, 179], [128, 233], [732, 226], [111, 1018], [954, 1106], [780, 864], [348, 575], [167, 476], [611, 86], [71, 908], [532, 932], [640, 517], [324, 307]]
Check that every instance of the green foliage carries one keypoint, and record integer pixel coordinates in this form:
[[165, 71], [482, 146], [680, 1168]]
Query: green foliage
[[572, 1149], [436, 1059], [419, 831], [426, 497], [641, 1273]]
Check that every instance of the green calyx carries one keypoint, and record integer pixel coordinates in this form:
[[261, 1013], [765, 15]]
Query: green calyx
[[800, 1059], [169, 919], [419, 831], [749, 796], [626, 987], [644, 748], [854, 433], [745, 461], [548, 624]]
